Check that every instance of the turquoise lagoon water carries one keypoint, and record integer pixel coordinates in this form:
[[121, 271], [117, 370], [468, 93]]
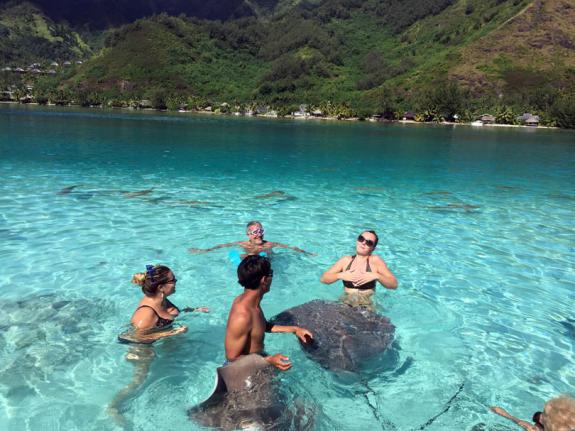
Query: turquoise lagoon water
[[477, 224]]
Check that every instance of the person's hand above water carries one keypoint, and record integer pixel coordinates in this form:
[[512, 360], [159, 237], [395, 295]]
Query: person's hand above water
[[523, 424], [179, 330], [303, 334], [197, 250], [363, 277], [279, 361], [145, 336], [500, 411], [199, 309], [346, 275]]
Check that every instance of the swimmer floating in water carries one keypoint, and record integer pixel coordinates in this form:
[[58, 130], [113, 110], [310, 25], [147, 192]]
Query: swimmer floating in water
[[255, 244], [361, 271], [558, 415]]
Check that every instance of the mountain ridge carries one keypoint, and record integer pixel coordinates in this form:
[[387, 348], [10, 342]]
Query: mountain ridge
[[363, 55]]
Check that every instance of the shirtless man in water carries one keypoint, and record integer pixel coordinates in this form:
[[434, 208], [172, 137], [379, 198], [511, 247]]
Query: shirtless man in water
[[247, 325], [254, 245]]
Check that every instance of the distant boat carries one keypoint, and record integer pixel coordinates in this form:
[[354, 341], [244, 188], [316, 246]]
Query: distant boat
[[477, 123]]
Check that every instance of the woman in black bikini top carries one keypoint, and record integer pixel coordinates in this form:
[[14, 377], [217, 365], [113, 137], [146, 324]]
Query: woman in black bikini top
[[161, 322], [350, 285], [155, 310], [356, 277]]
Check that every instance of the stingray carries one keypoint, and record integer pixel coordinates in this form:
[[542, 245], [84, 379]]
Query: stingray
[[345, 337], [274, 194], [89, 194], [66, 190], [506, 188], [137, 193], [437, 193], [158, 200], [569, 326], [46, 334], [192, 202], [454, 208], [370, 189], [562, 196], [277, 197], [246, 396]]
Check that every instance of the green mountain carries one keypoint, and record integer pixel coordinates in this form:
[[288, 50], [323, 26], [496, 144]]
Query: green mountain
[[27, 35], [102, 14], [354, 57]]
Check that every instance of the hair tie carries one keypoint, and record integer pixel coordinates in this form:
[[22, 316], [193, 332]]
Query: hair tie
[[150, 271]]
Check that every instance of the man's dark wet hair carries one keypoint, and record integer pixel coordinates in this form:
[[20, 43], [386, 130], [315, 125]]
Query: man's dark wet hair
[[251, 271], [376, 237]]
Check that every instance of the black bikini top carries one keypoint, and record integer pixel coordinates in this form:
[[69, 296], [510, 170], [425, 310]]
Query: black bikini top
[[162, 322], [349, 284]]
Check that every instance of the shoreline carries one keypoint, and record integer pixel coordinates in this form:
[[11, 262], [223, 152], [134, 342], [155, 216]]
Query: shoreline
[[287, 117]]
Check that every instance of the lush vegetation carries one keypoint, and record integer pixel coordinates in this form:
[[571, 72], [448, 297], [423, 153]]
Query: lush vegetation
[[438, 58], [27, 35]]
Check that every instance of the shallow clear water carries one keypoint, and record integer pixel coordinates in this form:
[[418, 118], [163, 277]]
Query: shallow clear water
[[477, 224]]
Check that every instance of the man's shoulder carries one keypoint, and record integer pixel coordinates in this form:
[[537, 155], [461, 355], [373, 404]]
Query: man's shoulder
[[239, 309], [240, 318]]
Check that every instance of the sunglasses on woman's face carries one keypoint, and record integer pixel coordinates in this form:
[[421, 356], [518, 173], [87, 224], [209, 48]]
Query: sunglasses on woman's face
[[174, 280], [367, 242], [256, 232]]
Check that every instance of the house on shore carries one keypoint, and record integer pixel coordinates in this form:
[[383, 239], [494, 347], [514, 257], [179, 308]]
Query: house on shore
[[408, 116], [224, 107], [302, 113], [265, 111], [7, 96], [487, 119], [529, 120], [145, 104], [261, 110]]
